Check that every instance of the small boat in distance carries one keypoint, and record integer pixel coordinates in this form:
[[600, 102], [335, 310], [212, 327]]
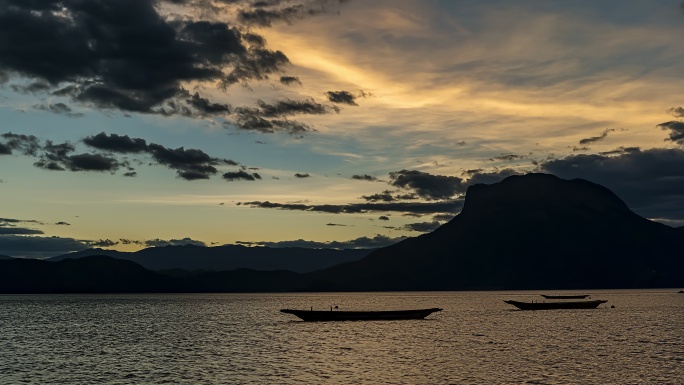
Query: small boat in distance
[[565, 296], [592, 304], [341, 315]]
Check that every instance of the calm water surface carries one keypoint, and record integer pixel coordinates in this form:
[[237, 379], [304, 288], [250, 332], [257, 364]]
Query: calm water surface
[[243, 339]]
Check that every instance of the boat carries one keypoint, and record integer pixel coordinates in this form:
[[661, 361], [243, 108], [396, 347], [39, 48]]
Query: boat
[[591, 304], [341, 315], [566, 296]]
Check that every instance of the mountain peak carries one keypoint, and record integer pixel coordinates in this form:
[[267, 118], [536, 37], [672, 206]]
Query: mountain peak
[[540, 191]]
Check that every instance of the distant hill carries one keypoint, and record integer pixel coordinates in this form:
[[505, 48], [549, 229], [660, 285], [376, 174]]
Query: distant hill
[[5, 257], [96, 274], [526, 232], [230, 257], [103, 274]]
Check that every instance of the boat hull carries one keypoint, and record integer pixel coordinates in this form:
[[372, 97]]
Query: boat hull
[[556, 305], [315, 315]]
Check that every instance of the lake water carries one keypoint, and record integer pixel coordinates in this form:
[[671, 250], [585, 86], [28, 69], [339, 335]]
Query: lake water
[[244, 339]]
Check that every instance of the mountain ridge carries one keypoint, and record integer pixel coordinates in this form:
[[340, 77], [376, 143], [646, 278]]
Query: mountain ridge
[[534, 231]]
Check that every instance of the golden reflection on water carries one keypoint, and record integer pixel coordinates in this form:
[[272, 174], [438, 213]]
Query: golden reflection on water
[[243, 338]]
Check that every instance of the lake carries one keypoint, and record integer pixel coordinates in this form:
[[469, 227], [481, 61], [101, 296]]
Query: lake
[[244, 339]]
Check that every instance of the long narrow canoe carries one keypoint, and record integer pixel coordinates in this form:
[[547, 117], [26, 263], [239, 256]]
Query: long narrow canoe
[[568, 296], [339, 315], [556, 305]]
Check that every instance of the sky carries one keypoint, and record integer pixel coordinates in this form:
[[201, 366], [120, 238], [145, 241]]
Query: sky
[[127, 124]]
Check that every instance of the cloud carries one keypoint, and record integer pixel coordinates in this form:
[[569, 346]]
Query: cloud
[[124, 54], [116, 143], [677, 112], [173, 242], [383, 218], [61, 223], [426, 185], [342, 97], [290, 80], [649, 181], [38, 247], [27, 144], [357, 243], [190, 164], [385, 196], [241, 175], [265, 13], [594, 139], [507, 157], [300, 175], [423, 227], [365, 177], [443, 217], [59, 109], [450, 206], [18, 231], [676, 130]]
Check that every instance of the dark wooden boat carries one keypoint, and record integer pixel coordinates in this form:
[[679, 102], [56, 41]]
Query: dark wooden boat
[[567, 296], [592, 304], [340, 315]]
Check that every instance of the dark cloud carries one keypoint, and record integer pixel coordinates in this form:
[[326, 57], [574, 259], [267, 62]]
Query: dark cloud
[[365, 177], [101, 243], [63, 224], [342, 97], [59, 109], [286, 107], [385, 196], [451, 206], [358, 243], [265, 13], [18, 231], [39, 247], [423, 227], [205, 107], [268, 118], [335, 224], [124, 54], [443, 217], [383, 218], [92, 162], [299, 175], [173, 242], [426, 185], [125, 241], [27, 144], [676, 130], [677, 112], [240, 175], [190, 164], [290, 80], [116, 143], [507, 157], [649, 181], [490, 177], [594, 139]]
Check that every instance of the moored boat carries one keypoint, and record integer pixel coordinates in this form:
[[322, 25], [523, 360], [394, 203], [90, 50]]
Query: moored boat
[[592, 304], [341, 315], [565, 296]]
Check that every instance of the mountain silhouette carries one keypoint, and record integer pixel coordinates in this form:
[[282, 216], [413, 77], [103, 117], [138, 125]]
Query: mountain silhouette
[[534, 231], [94, 274], [230, 257], [526, 232]]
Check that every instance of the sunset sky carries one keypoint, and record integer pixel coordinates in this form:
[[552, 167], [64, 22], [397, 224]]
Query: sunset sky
[[136, 123]]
